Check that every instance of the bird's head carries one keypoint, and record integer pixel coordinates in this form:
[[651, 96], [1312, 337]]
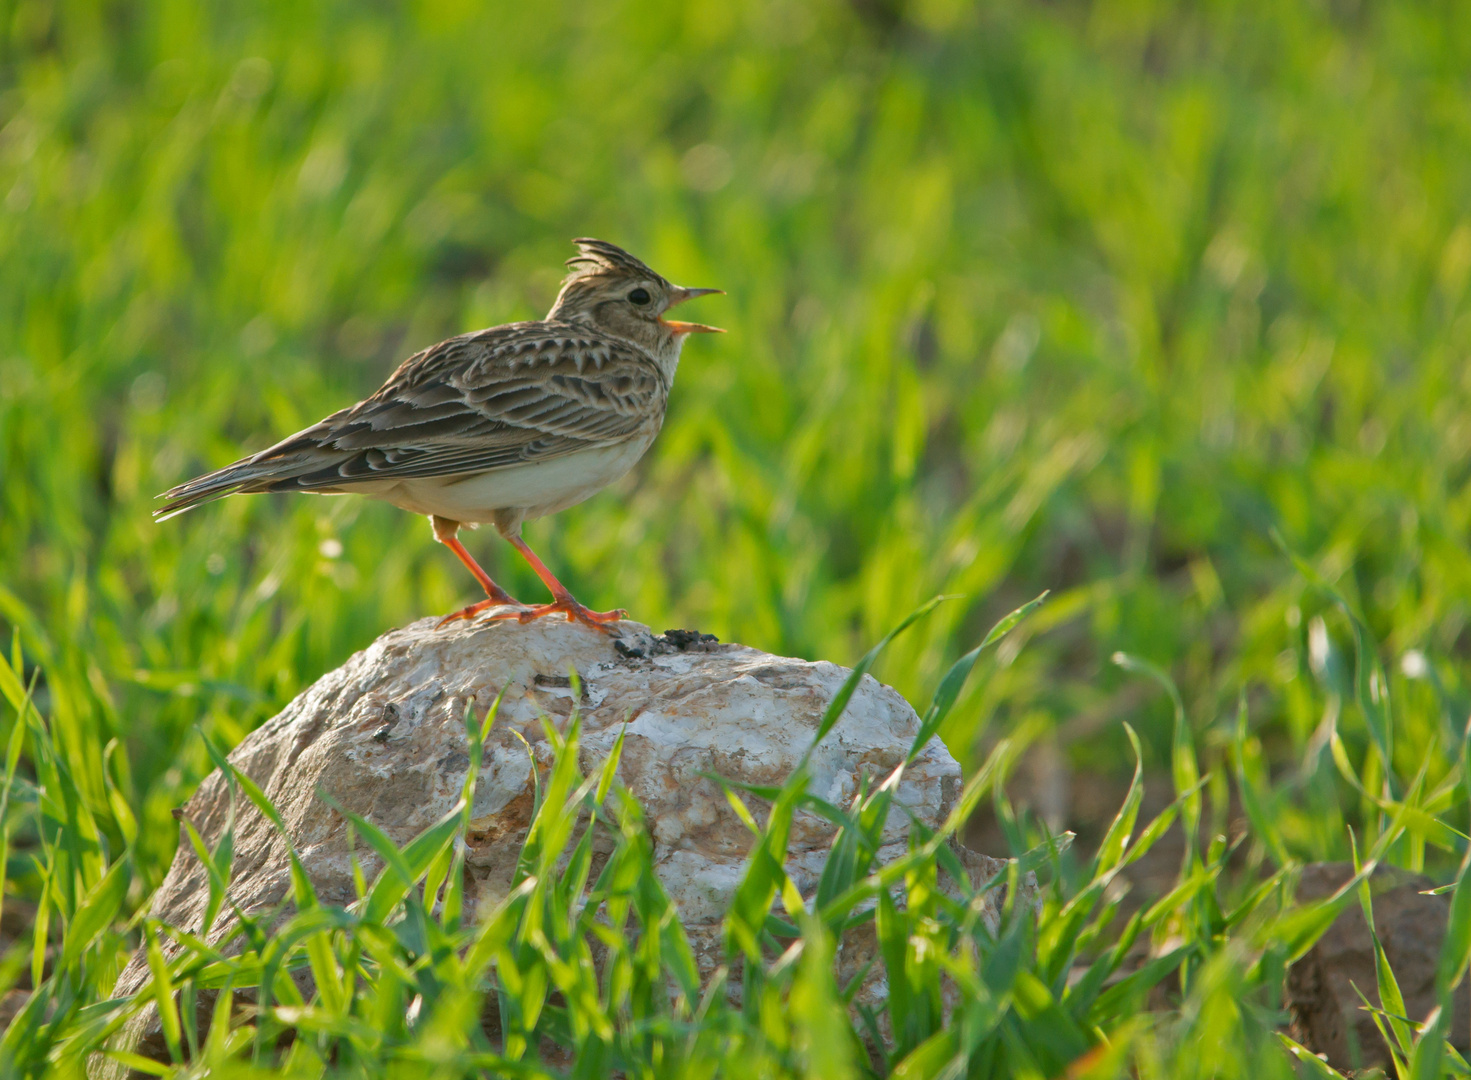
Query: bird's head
[[609, 289]]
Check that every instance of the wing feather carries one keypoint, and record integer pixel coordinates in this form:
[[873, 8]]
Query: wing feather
[[515, 394]]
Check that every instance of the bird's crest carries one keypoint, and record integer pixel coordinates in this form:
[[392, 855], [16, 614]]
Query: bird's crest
[[600, 257]]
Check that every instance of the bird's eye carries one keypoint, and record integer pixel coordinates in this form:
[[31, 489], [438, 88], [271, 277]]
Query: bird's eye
[[639, 297]]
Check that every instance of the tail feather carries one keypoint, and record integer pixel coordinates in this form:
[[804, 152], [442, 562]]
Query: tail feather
[[259, 473], [238, 476], [277, 468]]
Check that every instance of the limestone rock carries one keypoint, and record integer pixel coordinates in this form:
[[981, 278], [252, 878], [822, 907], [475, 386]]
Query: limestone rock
[[383, 736]]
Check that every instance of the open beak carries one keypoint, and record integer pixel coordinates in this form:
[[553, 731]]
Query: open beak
[[679, 296]]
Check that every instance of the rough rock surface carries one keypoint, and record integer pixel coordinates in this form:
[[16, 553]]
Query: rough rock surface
[[383, 736], [1328, 1015]]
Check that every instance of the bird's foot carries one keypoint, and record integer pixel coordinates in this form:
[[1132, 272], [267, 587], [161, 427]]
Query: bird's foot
[[575, 612], [485, 605]]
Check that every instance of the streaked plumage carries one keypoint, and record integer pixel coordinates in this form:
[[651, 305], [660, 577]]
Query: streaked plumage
[[501, 425]]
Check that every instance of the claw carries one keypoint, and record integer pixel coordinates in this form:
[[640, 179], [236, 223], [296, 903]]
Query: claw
[[522, 613], [575, 612]]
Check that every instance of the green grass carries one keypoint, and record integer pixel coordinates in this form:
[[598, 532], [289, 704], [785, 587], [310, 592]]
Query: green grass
[[581, 972], [1123, 301]]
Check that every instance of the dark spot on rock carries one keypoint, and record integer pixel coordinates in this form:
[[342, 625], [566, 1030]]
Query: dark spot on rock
[[561, 682], [670, 641], [390, 718], [686, 640]]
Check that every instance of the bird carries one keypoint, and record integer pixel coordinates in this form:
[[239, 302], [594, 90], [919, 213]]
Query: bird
[[499, 426]]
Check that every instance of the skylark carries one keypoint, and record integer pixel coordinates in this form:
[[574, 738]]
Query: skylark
[[502, 425]]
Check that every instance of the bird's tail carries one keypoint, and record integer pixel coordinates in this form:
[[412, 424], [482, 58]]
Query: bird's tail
[[287, 466], [270, 470], [238, 476]]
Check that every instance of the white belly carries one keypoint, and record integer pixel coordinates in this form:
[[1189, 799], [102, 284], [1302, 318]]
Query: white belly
[[536, 489]]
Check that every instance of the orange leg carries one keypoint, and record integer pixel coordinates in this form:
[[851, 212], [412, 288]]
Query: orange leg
[[444, 532], [563, 603]]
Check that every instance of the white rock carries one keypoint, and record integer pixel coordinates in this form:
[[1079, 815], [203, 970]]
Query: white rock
[[383, 735]]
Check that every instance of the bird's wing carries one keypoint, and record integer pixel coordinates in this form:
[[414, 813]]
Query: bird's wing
[[525, 392]]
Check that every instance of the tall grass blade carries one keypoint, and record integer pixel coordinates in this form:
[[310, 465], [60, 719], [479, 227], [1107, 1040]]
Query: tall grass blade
[[834, 711], [954, 680]]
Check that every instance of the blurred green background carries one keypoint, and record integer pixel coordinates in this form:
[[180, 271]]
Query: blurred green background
[[1089, 297]]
